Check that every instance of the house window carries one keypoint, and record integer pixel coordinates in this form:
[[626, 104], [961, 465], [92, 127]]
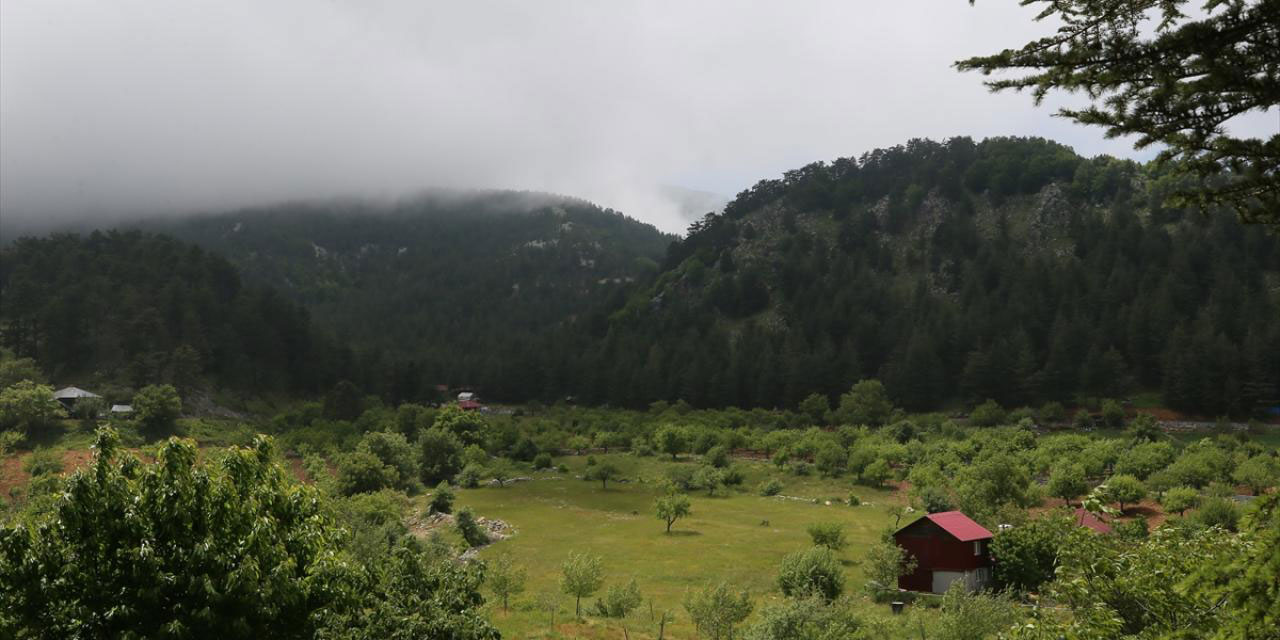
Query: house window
[[977, 547]]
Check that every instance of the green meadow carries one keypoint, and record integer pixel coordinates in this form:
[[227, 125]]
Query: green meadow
[[740, 538]]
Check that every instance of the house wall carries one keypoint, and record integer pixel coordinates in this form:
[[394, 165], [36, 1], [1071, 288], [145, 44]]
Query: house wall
[[936, 550]]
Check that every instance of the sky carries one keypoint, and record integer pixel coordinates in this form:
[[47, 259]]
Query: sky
[[127, 108]]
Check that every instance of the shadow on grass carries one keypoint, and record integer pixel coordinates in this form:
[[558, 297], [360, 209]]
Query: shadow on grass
[[683, 533]]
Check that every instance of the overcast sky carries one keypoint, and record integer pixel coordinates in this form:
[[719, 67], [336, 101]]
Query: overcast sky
[[124, 107]]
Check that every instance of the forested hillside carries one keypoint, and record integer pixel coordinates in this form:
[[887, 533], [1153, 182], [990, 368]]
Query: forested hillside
[[129, 308], [482, 289], [1010, 269]]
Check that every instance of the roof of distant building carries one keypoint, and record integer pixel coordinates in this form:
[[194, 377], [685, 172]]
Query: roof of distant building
[[1090, 520], [69, 393]]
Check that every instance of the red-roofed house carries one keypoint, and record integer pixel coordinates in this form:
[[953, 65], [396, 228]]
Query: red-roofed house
[[947, 546], [1091, 521]]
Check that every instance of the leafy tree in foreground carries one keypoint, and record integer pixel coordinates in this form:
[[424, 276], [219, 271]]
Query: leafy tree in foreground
[[809, 618], [1176, 87], [1026, 556], [1179, 582], [974, 616], [814, 571], [716, 610], [581, 576], [672, 507], [1248, 583], [234, 549], [505, 578]]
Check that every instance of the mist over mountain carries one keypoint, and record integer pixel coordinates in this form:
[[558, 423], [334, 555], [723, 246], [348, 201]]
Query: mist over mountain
[[1010, 269], [450, 287]]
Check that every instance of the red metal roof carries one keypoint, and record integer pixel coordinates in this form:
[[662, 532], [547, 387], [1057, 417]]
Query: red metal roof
[[468, 405], [1086, 519], [959, 525]]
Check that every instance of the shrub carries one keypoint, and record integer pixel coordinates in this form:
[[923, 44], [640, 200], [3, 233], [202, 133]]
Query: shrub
[[828, 534], [717, 610], [717, 456], [884, 563], [442, 499], [854, 500], [733, 477], [1218, 512], [470, 531], [619, 600], [9, 442], [802, 469], [542, 461], [987, 414], [363, 472], [43, 462], [974, 616], [771, 487], [641, 447], [830, 460], [814, 571], [1112, 414], [394, 451], [1052, 412], [469, 478], [709, 478], [1135, 529]]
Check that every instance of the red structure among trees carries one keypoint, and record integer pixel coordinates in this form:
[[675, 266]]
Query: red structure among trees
[[947, 546]]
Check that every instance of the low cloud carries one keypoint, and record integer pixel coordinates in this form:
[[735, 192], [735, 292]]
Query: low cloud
[[126, 108]]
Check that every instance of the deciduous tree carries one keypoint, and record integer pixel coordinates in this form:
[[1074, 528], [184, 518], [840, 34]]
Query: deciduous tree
[[672, 507], [581, 576]]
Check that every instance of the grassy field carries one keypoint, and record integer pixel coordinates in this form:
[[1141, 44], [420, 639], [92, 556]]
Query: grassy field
[[740, 538]]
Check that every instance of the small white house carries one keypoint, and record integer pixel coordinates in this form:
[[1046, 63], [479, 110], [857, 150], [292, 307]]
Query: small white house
[[121, 410], [467, 396]]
